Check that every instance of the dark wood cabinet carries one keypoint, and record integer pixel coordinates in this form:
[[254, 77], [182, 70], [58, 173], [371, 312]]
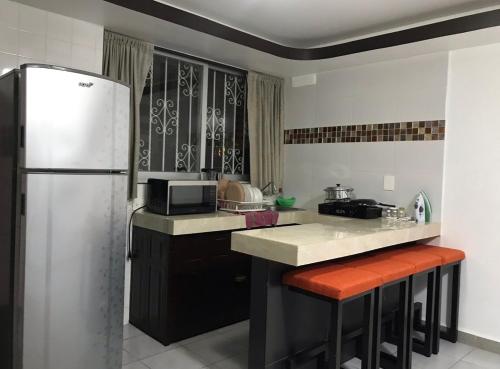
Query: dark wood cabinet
[[182, 286]]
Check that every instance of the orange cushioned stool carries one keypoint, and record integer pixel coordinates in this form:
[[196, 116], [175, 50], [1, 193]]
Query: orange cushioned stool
[[336, 284], [392, 272], [451, 260], [425, 264]]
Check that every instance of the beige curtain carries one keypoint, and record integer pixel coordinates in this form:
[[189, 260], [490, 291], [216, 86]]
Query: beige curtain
[[265, 129], [129, 60]]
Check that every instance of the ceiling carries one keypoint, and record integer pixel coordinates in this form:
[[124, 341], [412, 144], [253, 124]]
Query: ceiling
[[309, 23], [182, 39]]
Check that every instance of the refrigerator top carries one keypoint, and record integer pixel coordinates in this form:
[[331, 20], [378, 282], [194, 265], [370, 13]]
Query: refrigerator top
[[65, 69], [73, 120]]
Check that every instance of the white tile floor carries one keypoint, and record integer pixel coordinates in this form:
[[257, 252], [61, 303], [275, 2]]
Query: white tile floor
[[227, 348]]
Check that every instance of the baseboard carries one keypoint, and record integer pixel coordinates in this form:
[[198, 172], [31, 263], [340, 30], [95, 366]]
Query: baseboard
[[479, 342]]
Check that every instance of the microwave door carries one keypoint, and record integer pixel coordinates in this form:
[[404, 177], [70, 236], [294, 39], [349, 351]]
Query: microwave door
[[192, 198]]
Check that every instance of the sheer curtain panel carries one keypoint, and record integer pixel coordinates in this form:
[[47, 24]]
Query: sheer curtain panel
[[266, 129], [129, 60]]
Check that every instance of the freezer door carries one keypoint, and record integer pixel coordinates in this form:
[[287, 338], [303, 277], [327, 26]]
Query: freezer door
[[74, 271], [73, 120]]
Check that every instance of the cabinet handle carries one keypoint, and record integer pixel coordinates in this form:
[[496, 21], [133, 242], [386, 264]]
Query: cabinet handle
[[240, 278]]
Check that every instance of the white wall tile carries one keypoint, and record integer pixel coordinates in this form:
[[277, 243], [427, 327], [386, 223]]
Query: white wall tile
[[7, 62], [8, 39], [334, 100], [394, 91], [373, 157], [58, 52], [83, 57], [23, 60], [298, 173], [419, 157], [32, 35], [31, 45], [370, 185], [387, 92], [9, 14], [32, 19], [331, 166], [300, 107], [59, 27], [84, 33], [98, 60]]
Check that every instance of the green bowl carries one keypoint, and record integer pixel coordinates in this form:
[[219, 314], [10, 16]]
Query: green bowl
[[286, 202]]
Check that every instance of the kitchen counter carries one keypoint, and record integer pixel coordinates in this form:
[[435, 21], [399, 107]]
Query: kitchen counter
[[283, 321], [316, 238], [212, 222], [329, 237]]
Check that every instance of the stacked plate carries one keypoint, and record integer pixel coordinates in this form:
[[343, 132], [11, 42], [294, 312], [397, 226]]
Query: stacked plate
[[242, 192]]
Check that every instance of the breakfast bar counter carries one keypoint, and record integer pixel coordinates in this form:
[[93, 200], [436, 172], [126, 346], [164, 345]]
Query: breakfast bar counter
[[328, 238], [283, 322]]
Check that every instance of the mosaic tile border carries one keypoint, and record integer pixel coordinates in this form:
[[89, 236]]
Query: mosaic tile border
[[429, 130]]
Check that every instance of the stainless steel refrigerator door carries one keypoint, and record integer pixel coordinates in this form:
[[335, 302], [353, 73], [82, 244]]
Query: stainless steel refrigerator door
[[74, 121], [74, 275]]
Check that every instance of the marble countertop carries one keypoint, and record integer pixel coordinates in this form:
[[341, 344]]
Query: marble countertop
[[316, 237], [201, 223], [322, 238]]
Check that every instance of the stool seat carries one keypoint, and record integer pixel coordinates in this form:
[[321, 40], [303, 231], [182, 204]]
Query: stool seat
[[389, 270], [421, 261], [333, 280], [447, 255]]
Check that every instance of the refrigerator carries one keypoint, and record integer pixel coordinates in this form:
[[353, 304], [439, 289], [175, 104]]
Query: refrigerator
[[64, 156]]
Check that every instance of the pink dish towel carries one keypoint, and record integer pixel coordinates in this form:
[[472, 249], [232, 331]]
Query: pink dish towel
[[261, 219]]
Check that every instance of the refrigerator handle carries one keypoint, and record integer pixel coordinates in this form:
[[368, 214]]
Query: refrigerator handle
[[21, 138], [23, 204]]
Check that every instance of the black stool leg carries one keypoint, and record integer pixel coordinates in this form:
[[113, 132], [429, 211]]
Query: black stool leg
[[377, 327], [403, 338], [429, 314], [425, 347], [368, 311], [437, 312], [411, 313], [335, 344], [451, 333]]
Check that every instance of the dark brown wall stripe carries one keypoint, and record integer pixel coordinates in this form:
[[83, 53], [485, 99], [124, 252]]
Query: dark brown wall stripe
[[430, 130], [434, 30]]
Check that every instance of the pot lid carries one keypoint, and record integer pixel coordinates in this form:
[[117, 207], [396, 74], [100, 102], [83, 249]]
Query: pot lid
[[338, 187]]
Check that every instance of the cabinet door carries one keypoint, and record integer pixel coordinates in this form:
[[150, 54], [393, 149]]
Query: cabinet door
[[208, 284], [148, 297]]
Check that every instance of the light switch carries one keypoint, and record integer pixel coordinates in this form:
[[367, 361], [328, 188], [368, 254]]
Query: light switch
[[389, 183]]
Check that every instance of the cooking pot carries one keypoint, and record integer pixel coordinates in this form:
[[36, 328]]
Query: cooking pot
[[338, 193]]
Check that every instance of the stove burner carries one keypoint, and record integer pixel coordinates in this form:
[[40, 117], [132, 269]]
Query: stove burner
[[351, 209]]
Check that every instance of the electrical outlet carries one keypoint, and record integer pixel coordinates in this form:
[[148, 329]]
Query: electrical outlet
[[389, 183]]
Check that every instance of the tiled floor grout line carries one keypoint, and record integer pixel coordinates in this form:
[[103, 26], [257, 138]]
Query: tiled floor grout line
[[215, 362], [452, 359]]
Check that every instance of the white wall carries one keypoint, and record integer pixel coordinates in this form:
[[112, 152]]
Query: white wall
[[472, 182], [403, 90], [31, 35]]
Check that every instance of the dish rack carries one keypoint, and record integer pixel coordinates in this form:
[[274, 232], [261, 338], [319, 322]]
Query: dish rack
[[240, 206]]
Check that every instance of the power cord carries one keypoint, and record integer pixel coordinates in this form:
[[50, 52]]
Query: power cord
[[129, 245]]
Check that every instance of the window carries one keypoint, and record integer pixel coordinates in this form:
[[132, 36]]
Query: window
[[193, 116]]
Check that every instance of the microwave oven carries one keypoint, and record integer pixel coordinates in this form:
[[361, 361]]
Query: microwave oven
[[177, 197]]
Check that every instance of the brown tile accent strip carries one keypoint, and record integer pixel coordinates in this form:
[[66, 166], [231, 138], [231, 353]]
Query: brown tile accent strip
[[430, 130]]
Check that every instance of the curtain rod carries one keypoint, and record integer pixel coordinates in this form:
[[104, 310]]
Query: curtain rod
[[189, 56], [206, 61]]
